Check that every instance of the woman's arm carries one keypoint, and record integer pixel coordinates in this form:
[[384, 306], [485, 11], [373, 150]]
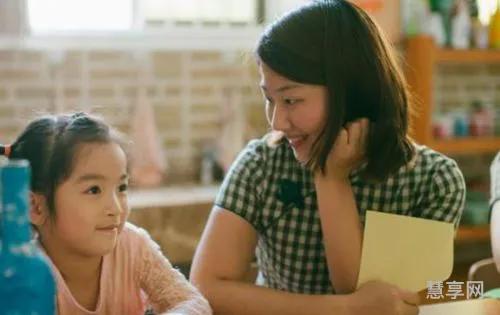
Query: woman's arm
[[342, 234], [220, 267], [340, 222], [221, 264]]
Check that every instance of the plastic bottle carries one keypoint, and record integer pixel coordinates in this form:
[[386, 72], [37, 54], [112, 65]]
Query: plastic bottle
[[461, 27], [495, 28], [27, 284], [207, 165]]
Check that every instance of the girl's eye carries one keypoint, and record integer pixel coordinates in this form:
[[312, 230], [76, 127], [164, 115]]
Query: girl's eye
[[94, 190], [289, 101], [123, 187]]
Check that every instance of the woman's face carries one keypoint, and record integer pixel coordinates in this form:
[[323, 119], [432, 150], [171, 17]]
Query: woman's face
[[297, 110]]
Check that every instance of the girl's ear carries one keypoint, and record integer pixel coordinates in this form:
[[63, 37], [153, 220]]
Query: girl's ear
[[39, 211]]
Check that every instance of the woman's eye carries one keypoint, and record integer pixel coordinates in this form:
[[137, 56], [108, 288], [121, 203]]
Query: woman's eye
[[94, 190], [123, 187]]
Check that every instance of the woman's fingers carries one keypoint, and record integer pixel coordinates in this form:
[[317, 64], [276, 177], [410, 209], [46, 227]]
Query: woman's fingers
[[343, 138], [365, 129], [410, 310], [410, 298], [354, 133], [358, 134]]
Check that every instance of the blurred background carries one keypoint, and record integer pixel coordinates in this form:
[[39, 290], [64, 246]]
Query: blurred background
[[178, 77]]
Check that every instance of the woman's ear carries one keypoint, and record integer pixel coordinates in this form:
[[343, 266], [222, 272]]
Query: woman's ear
[[39, 211]]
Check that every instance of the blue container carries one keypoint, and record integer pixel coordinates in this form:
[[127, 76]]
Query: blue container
[[461, 127], [27, 284]]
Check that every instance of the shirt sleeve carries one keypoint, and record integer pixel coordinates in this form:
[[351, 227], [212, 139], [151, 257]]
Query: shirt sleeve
[[446, 198], [239, 192], [166, 288], [495, 181]]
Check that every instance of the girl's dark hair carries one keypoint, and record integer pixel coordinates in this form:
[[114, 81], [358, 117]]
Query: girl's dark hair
[[50, 144], [336, 44]]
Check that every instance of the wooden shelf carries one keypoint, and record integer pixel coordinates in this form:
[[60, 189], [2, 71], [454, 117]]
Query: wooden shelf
[[422, 56], [466, 145], [473, 233], [473, 55]]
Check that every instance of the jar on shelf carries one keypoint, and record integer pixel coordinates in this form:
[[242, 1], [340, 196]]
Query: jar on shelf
[[475, 119], [496, 126], [461, 125], [481, 120], [488, 122], [443, 127]]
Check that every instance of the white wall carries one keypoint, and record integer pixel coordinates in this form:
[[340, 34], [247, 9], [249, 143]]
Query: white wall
[[278, 7]]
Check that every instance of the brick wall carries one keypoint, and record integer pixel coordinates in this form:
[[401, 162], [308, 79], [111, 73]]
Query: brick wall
[[187, 90]]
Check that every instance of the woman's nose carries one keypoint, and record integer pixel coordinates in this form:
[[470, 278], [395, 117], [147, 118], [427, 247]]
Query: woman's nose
[[279, 119]]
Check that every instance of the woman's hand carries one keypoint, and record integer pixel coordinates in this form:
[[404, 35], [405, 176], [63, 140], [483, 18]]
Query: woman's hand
[[348, 151], [378, 298]]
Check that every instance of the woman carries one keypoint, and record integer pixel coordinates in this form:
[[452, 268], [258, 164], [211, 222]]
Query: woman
[[338, 107]]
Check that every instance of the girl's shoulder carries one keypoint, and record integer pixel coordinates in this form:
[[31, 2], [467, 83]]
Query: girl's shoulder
[[133, 245], [133, 235], [132, 242]]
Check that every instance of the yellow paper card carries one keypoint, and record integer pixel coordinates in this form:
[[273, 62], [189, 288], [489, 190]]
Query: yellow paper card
[[405, 251], [468, 307]]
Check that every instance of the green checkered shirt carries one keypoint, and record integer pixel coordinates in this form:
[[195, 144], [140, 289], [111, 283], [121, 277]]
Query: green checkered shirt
[[290, 250]]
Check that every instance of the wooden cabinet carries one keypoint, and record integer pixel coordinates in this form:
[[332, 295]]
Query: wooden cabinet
[[421, 58]]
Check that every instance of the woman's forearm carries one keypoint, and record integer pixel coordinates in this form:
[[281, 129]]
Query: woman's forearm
[[342, 233], [229, 297]]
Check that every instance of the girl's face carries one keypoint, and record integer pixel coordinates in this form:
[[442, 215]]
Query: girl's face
[[297, 110], [91, 205]]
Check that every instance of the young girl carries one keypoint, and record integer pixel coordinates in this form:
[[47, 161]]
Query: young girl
[[337, 98], [79, 208]]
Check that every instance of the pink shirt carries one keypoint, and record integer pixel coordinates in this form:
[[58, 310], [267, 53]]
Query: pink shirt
[[135, 277]]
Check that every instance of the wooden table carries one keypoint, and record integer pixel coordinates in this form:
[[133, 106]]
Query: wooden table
[[470, 307], [473, 233]]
